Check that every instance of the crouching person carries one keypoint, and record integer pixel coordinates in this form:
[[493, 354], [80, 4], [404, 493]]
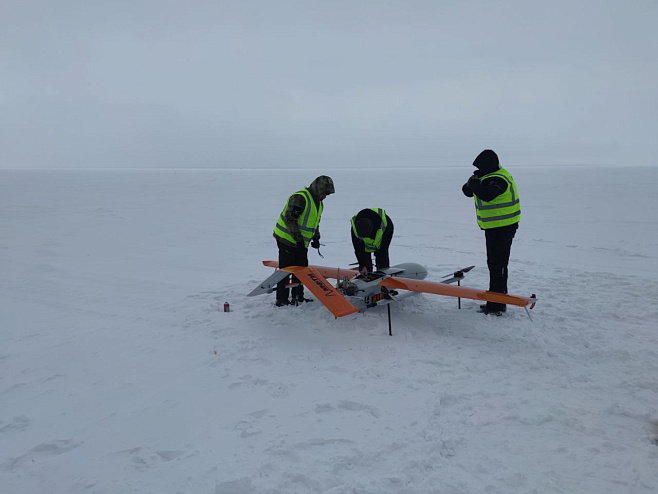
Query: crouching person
[[372, 231]]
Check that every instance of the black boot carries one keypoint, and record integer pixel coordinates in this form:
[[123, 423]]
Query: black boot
[[282, 297], [298, 295], [493, 308], [282, 293]]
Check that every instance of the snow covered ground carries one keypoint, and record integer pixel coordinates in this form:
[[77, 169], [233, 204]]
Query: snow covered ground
[[119, 372]]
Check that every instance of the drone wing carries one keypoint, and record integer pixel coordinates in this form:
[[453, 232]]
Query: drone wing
[[456, 291], [337, 273], [312, 279]]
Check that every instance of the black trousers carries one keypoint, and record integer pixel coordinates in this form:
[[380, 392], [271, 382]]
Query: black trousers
[[499, 245], [381, 256], [290, 256]]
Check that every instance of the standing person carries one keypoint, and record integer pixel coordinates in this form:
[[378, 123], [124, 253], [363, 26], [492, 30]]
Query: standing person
[[372, 231], [296, 228], [498, 213]]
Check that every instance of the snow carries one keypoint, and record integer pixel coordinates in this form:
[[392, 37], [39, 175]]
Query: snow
[[120, 373]]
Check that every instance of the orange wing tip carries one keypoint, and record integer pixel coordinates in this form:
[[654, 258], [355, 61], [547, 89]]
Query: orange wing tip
[[346, 312], [533, 300]]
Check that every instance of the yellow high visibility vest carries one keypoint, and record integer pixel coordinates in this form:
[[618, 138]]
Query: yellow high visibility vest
[[373, 244], [308, 221], [504, 210]]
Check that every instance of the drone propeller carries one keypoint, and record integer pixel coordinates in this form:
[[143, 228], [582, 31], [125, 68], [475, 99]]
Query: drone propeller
[[460, 272]]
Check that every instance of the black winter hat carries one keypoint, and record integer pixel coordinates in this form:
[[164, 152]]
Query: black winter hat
[[364, 227], [487, 160]]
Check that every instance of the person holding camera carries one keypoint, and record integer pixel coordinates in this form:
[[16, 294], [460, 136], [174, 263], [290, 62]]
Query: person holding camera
[[498, 212]]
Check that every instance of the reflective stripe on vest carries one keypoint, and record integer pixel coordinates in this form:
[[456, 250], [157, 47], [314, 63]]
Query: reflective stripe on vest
[[308, 221], [373, 244], [504, 210]]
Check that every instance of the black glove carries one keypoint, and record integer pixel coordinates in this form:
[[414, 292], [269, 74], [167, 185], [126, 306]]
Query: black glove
[[473, 181], [315, 243]]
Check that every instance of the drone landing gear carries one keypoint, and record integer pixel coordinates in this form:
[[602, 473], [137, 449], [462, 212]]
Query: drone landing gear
[[390, 332]]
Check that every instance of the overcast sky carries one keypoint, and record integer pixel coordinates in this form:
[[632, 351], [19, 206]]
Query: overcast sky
[[255, 83]]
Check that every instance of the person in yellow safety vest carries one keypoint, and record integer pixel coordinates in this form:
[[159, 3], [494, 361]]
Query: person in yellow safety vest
[[498, 213], [372, 231], [298, 226]]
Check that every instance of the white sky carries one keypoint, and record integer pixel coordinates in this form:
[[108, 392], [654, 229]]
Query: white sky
[[340, 83]]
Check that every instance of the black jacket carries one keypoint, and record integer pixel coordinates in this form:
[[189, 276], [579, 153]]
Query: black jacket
[[487, 189], [365, 258]]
